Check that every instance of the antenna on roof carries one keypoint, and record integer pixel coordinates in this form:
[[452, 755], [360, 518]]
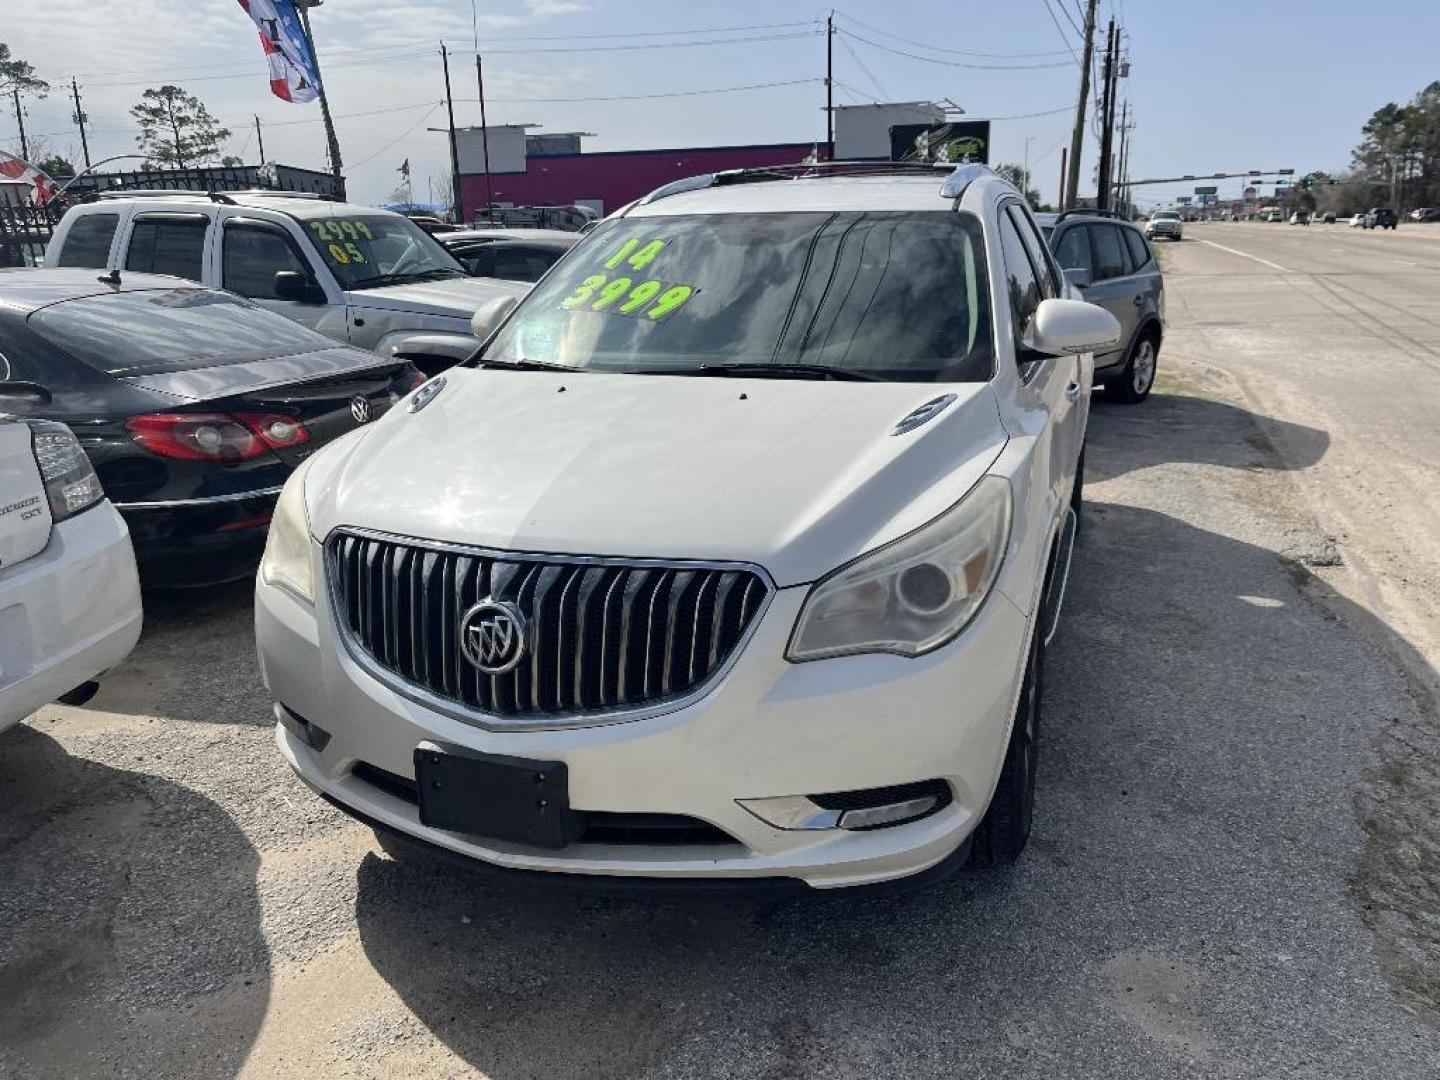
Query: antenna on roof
[[112, 278]]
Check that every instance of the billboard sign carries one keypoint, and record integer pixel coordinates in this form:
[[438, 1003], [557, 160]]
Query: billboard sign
[[1204, 190], [1184, 199], [965, 140]]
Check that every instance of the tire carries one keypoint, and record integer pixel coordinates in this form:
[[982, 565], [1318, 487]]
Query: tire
[[1001, 835], [1134, 383]]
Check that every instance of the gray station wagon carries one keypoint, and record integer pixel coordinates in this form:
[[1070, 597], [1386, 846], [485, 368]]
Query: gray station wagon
[[1112, 264]]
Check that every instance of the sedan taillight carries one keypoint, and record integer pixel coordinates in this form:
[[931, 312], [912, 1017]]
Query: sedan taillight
[[237, 436]]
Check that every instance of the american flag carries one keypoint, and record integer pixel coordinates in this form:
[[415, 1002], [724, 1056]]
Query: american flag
[[21, 171], [293, 74]]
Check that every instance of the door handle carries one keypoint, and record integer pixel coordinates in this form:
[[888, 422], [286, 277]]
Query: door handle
[[1072, 392]]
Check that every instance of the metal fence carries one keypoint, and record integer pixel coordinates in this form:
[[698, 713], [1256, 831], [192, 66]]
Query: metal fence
[[24, 232]]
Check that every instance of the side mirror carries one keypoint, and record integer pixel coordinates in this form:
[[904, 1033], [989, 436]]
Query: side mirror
[[292, 285], [1073, 326], [491, 314], [29, 394], [1079, 276]]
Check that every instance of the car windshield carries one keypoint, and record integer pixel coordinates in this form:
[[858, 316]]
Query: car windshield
[[366, 251], [893, 295], [1167, 215], [146, 332]]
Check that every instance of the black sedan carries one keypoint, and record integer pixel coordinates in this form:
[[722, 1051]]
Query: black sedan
[[510, 254], [193, 404]]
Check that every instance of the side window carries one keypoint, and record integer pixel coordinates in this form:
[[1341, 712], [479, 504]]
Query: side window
[[168, 245], [1049, 277], [251, 256], [1139, 250], [1107, 251], [87, 244], [1073, 250], [522, 264], [1020, 279]]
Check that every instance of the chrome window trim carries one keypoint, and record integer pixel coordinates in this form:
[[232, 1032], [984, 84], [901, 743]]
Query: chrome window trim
[[210, 500], [559, 721]]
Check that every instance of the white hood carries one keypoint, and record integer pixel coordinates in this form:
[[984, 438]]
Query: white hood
[[456, 297], [798, 476]]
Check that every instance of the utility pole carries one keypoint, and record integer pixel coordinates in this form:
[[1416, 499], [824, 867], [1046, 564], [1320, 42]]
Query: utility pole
[[485, 141], [830, 87], [1123, 159], [332, 145], [457, 208], [80, 119], [20, 119], [1107, 122], [260, 137], [1071, 189], [1025, 169], [1064, 176]]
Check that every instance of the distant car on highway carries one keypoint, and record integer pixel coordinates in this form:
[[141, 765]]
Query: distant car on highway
[[1329, 218], [1425, 213], [1357, 221], [1112, 265], [1300, 217], [1275, 215], [1381, 217], [1164, 223]]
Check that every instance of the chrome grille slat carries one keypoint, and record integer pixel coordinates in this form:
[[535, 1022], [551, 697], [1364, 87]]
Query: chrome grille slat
[[604, 636]]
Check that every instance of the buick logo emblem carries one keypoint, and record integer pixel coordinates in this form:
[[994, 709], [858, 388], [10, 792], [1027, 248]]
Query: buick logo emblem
[[360, 409], [492, 636]]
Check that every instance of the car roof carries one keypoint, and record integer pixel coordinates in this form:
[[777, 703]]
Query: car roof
[[782, 191], [556, 235], [23, 290], [294, 204], [543, 243]]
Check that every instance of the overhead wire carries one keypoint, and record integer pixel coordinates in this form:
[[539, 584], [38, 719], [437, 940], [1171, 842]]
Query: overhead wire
[[954, 63], [943, 49]]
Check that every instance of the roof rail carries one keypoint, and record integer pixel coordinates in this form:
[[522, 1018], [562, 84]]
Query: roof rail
[[803, 170], [200, 193], [1088, 212]]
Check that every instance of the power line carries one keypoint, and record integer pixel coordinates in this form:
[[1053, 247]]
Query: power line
[[398, 138], [645, 97], [1060, 29], [953, 63], [941, 49], [861, 65]]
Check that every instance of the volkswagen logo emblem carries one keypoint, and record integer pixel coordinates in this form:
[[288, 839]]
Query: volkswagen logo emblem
[[360, 409], [492, 636]]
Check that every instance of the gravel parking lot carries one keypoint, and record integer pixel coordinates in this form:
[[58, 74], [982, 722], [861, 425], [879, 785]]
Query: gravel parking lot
[[1234, 873]]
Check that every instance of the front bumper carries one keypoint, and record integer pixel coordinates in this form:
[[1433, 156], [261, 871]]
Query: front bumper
[[67, 614], [767, 729]]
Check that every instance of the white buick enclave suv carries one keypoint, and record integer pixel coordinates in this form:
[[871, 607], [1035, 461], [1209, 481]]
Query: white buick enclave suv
[[731, 554]]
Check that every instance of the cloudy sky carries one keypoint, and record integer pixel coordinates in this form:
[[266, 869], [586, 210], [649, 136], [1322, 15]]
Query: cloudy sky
[[1227, 85]]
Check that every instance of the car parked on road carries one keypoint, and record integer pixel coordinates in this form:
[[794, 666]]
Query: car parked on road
[[1300, 217], [1381, 217], [734, 553], [362, 276], [509, 254], [1112, 265], [1357, 221], [1425, 214], [1329, 217], [69, 598], [193, 404], [1166, 224]]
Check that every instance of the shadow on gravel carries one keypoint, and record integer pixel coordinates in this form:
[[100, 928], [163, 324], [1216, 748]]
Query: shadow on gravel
[[195, 660], [130, 941], [1187, 906], [1168, 428]]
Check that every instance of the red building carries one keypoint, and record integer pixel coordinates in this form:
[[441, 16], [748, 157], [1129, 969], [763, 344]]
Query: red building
[[603, 181]]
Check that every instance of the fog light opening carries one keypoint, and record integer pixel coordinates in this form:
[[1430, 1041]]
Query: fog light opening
[[877, 817]]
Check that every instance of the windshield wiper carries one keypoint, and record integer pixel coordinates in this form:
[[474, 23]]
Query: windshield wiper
[[524, 365], [760, 370], [403, 279]]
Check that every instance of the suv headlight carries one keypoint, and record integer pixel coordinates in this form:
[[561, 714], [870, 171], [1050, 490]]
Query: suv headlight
[[287, 546], [70, 481], [915, 594]]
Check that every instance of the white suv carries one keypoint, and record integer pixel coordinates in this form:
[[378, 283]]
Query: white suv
[[69, 597], [368, 277], [726, 558]]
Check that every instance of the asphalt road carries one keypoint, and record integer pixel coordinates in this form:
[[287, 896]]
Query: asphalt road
[[1233, 871]]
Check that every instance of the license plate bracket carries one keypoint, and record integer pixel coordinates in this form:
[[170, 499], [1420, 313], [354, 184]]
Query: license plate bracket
[[494, 796]]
